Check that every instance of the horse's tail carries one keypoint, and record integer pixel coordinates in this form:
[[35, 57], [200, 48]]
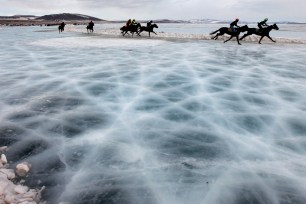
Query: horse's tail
[[214, 32]]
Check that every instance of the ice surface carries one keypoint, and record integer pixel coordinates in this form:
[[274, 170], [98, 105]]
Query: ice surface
[[121, 120]]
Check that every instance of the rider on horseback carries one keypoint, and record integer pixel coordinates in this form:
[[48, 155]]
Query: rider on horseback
[[234, 25], [134, 22], [262, 23], [91, 24], [128, 23], [149, 23]]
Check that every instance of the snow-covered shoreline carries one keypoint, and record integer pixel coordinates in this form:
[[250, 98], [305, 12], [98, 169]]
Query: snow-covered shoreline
[[182, 36]]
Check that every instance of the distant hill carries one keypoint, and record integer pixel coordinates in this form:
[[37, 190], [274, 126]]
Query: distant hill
[[67, 17], [170, 21], [18, 17]]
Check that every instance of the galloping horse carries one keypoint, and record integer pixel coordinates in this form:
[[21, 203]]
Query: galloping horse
[[61, 28], [131, 28], [226, 30], [148, 29], [263, 33], [90, 28]]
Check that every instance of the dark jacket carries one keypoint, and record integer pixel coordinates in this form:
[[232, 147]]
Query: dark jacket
[[234, 23]]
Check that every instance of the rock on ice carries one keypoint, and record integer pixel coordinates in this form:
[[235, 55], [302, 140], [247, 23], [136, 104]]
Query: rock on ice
[[22, 169]]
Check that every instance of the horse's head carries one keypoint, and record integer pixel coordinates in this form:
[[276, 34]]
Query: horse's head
[[154, 26], [244, 28], [275, 26], [138, 25], [122, 28]]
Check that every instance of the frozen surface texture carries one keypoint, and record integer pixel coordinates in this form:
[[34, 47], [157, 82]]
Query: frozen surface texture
[[134, 121]]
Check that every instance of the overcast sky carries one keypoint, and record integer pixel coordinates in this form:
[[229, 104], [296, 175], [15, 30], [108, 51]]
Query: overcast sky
[[248, 10]]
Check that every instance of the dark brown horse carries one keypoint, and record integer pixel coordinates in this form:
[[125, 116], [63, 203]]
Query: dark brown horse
[[148, 29], [263, 32], [132, 29], [226, 30]]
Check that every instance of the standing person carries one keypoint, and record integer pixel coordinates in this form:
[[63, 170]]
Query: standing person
[[234, 25], [149, 23], [262, 23]]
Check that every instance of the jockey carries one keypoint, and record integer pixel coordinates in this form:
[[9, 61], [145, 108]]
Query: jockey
[[63, 25], [234, 25], [91, 24], [134, 22], [149, 23], [262, 23], [128, 23]]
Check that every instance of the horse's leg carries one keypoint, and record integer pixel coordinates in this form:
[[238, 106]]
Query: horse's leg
[[216, 37], [149, 34], [270, 38], [244, 36], [213, 38], [219, 34], [237, 37], [261, 39], [229, 39], [154, 32]]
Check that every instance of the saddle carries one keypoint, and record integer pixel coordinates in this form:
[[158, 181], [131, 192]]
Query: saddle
[[231, 30]]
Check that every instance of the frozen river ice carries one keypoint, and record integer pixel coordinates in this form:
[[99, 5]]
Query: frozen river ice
[[131, 121]]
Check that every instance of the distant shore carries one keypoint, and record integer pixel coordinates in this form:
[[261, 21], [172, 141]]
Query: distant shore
[[41, 22], [13, 22]]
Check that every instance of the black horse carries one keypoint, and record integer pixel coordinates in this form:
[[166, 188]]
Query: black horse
[[148, 29], [89, 28], [228, 31], [61, 28], [132, 28], [263, 33]]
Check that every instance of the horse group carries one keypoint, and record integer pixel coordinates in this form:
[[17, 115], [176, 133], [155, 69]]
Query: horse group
[[138, 29], [265, 32], [124, 30]]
